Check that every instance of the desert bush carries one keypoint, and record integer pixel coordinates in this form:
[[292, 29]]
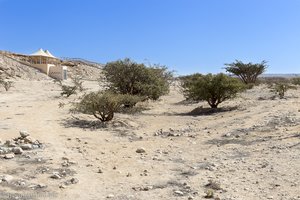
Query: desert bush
[[189, 86], [128, 77], [65, 89], [129, 104], [78, 82], [6, 84], [247, 72], [282, 88], [129, 101], [71, 89], [296, 81], [212, 88], [68, 90], [101, 105]]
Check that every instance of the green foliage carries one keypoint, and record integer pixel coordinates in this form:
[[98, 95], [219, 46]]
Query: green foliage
[[129, 104], [282, 88], [128, 77], [296, 81], [77, 82], [190, 86], [69, 90], [212, 88], [247, 72], [129, 101], [101, 105]]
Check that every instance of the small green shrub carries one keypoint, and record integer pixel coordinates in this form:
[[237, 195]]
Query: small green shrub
[[296, 81], [212, 88], [129, 104], [129, 101], [78, 82], [101, 105], [282, 88], [73, 88], [6, 84], [68, 90], [128, 77]]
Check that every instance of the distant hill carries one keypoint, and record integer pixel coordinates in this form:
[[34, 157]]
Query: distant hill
[[82, 61], [280, 75]]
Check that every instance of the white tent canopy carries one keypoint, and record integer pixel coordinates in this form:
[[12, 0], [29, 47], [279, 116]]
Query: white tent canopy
[[41, 52], [49, 54]]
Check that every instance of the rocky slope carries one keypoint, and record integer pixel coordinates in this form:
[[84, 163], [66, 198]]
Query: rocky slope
[[14, 66], [11, 67]]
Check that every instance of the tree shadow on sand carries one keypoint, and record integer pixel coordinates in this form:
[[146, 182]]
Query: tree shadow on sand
[[208, 111], [75, 122], [114, 125]]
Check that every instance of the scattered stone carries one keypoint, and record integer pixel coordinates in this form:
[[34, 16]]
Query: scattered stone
[[17, 150], [29, 140], [62, 186], [7, 178], [26, 147], [147, 188], [129, 175], [213, 185], [209, 193], [74, 180], [20, 183], [110, 196], [227, 135], [144, 188], [145, 173], [65, 164], [178, 192], [9, 156], [71, 181], [140, 150], [55, 175], [41, 185], [100, 171], [5, 150], [37, 186], [24, 134], [10, 143]]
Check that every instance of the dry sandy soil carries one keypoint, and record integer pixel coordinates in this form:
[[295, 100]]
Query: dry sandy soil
[[249, 152]]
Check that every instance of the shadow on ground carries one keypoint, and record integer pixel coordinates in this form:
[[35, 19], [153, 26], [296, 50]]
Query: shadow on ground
[[208, 111], [83, 123]]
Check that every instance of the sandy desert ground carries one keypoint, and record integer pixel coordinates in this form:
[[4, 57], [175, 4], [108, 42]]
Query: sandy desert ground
[[251, 152]]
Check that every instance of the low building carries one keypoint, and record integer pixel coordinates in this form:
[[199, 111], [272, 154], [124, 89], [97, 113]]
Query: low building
[[49, 64]]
